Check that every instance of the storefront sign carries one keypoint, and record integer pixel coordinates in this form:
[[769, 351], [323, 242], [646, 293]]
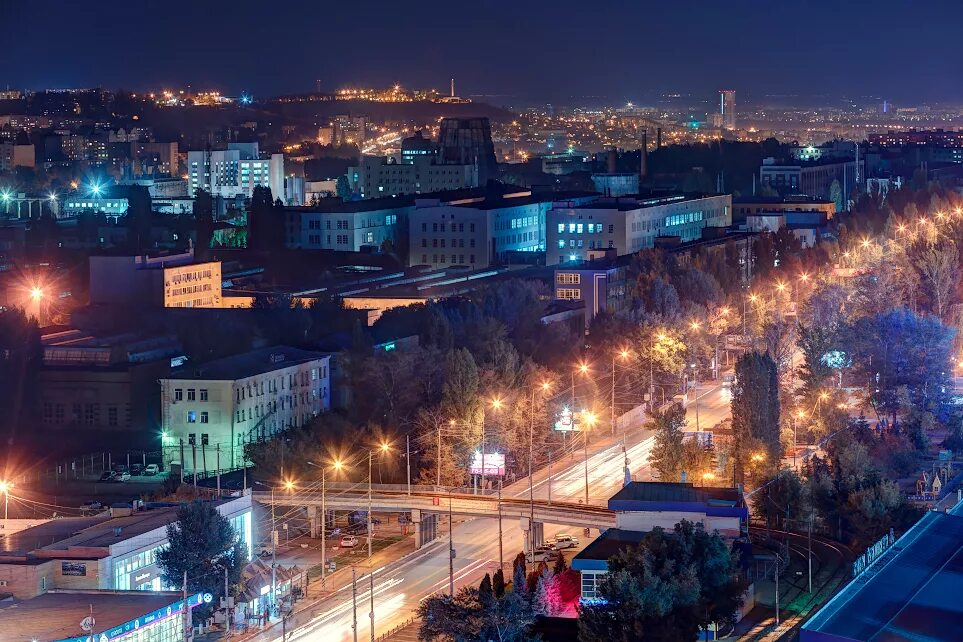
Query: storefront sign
[[144, 620]]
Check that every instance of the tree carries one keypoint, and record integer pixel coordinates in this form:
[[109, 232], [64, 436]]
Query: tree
[[204, 220], [342, 188], [498, 583], [668, 452], [265, 221], [138, 218], [939, 265], [202, 545], [543, 603], [836, 194], [665, 589], [755, 408]]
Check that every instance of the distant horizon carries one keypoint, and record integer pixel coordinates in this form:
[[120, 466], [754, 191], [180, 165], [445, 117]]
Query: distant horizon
[[491, 47]]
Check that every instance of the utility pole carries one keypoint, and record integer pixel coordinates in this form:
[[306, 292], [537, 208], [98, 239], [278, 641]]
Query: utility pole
[[217, 451], [369, 508], [408, 460], [531, 487], [438, 455], [371, 601], [324, 518], [187, 611], [501, 554], [612, 417], [354, 603], [274, 553], [451, 553], [227, 602]]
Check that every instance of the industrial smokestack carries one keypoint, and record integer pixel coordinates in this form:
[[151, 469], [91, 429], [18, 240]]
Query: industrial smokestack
[[658, 138], [643, 157], [612, 159]]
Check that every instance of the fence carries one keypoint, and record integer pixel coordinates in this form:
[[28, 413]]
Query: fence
[[90, 465]]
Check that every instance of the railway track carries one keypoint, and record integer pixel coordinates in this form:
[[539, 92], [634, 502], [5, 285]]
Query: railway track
[[830, 570]]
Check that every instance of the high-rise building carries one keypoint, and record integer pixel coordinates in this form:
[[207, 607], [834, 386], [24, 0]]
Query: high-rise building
[[466, 141], [727, 99]]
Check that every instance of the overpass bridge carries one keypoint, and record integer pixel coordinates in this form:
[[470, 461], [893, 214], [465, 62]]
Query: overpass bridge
[[426, 503]]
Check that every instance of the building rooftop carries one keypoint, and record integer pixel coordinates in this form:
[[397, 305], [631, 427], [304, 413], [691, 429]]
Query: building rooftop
[[644, 200], [336, 206], [48, 533], [56, 615], [779, 200], [511, 200], [248, 364], [910, 593], [594, 557], [632, 495]]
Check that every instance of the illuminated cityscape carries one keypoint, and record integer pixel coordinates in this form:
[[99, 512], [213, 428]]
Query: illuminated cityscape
[[477, 322]]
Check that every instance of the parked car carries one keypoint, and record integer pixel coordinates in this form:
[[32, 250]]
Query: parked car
[[151, 469], [107, 476], [264, 553], [120, 468], [136, 469], [91, 506], [349, 541], [122, 477], [543, 554], [564, 540]]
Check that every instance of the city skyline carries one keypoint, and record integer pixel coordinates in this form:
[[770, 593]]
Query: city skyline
[[499, 53]]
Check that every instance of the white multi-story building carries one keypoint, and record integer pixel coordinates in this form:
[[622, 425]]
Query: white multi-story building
[[379, 176], [234, 171], [347, 227], [479, 232], [209, 411], [630, 223]]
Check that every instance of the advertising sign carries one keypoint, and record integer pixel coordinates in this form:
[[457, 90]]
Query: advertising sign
[[494, 464], [567, 421], [73, 569]]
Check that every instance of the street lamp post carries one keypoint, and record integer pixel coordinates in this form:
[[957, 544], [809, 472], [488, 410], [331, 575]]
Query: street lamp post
[[589, 421], [531, 486], [274, 543], [5, 487], [337, 465], [385, 447]]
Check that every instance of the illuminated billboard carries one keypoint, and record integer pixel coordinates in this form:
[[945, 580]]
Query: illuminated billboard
[[568, 421], [494, 465]]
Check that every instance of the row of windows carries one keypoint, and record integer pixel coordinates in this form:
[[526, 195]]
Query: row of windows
[[580, 228], [681, 219], [573, 294], [516, 238], [196, 275], [191, 289], [441, 243], [88, 414], [516, 223], [192, 417], [568, 278], [191, 394], [291, 401], [580, 243], [440, 227], [440, 258]]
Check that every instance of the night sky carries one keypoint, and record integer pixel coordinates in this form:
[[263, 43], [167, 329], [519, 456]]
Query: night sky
[[535, 50]]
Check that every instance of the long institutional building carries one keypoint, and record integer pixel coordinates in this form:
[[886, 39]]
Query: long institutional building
[[478, 228]]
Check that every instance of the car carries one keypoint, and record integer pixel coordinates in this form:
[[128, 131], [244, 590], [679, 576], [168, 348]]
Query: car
[[122, 477], [151, 469], [349, 541], [91, 506], [136, 469], [107, 476], [542, 554], [120, 468], [264, 552], [564, 540]]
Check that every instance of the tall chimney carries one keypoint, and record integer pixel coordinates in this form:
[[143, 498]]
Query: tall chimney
[[612, 159], [643, 156], [658, 138]]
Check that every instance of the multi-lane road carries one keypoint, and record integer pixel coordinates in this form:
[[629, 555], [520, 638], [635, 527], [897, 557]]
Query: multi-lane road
[[401, 586]]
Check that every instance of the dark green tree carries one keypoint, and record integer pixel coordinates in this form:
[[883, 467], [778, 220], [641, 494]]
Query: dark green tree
[[755, 409], [665, 589], [138, 218], [202, 545], [204, 221], [667, 457], [498, 583], [342, 188]]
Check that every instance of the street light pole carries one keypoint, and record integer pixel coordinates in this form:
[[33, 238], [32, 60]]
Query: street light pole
[[531, 486], [369, 508], [324, 519], [274, 553], [451, 551], [371, 602]]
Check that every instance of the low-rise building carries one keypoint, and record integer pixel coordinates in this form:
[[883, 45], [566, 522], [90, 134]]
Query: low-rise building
[[642, 506], [627, 224], [347, 227], [815, 179], [104, 383], [744, 206], [170, 280], [120, 616], [210, 410], [115, 550]]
